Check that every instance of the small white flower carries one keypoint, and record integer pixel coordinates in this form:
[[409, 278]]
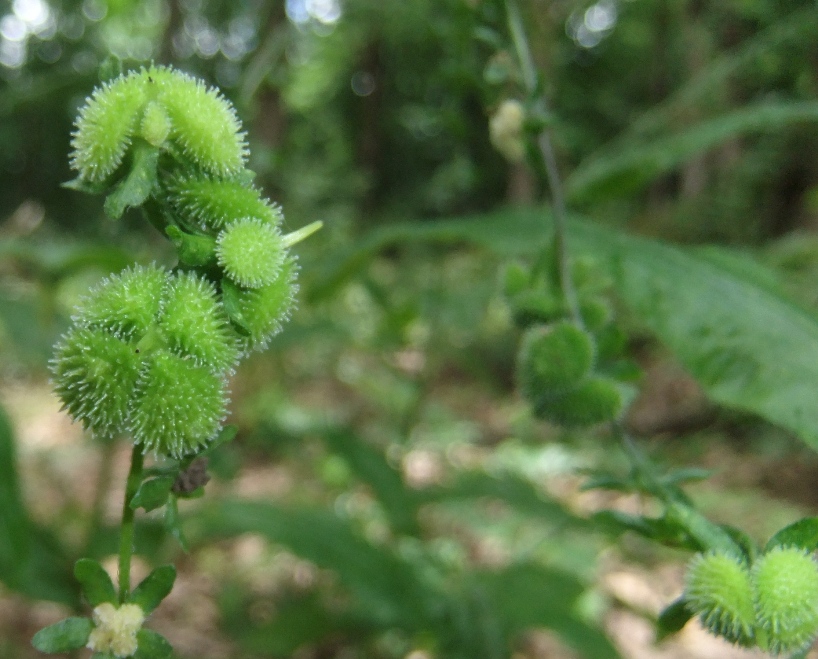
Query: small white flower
[[115, 629]]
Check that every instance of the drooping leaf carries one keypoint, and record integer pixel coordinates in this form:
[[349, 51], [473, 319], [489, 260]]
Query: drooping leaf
[[173, 524], [672, 618], [152, 493], [63, 636], [621, 172], [389, 586], [95, 581], [154, 588]]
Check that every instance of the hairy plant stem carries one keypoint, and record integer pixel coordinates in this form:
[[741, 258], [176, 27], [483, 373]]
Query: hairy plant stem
[[546, 149], [127, 532]]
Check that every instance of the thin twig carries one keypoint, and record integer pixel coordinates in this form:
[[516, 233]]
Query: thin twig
[[546, 147]]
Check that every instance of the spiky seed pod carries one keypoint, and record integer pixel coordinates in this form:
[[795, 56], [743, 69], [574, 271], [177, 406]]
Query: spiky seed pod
[[194, 323], [260, 312], [251, 252], [178, 406], [554, 359], [94, 374], [105, 127], [125, 304], [785, 584], [204, 123], [596, 400], [155, 126], [213, 203], [718, 590]]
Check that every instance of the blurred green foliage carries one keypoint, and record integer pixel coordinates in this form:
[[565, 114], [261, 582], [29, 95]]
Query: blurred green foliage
[[685, 121]]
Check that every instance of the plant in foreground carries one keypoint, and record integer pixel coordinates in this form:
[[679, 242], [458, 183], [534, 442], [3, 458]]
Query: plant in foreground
[[150, 349]]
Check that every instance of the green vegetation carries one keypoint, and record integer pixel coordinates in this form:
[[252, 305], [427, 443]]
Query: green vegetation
[[418, 438]]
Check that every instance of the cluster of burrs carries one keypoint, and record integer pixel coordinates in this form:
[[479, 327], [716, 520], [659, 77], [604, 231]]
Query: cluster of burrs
[[150, 349], [770, 603]]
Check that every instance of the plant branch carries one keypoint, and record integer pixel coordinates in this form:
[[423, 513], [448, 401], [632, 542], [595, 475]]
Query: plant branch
[[546, 150], [127, 533]]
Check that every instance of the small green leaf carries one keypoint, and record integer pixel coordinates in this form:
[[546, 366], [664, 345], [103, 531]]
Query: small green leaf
[[231, 297], [153, 588], [226, 434], [138, 185], [658, 529], [802, 534], [63, 636], [152, 645], [173, 523], [673, 618], [95, 581], [153, 493], [195, 250]]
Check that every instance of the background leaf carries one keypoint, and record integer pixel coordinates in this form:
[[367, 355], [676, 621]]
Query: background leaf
[[63, 636], [95, 581], [749, 346]]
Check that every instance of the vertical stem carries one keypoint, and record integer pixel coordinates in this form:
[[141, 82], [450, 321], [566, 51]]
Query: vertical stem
[[546, 147], [127, 532]]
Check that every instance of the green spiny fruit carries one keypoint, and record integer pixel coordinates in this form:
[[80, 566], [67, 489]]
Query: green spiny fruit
[[194, 323], [597, 400], [554, 359], [178, 407], [718, 589], [251, 252], [259, 313], [203, 123], [125, 304], [785, 585], [94, 374], [105, 127], [213, 203]]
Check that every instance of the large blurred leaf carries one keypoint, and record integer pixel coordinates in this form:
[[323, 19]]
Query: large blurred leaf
[[749, 346], [526, 595], [31, 560], [14, 540], [390, 587], [371, 466], [781, 36], [514, 491], [620, 172]]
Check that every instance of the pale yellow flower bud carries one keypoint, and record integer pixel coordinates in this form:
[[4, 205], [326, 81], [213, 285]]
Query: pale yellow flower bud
[[506, 130], [115, 629]]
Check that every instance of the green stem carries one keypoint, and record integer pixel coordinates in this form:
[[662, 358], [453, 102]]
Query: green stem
[[546, 148], [127, 532]]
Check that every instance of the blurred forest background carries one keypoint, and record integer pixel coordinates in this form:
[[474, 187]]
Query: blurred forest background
[[389, 494]]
